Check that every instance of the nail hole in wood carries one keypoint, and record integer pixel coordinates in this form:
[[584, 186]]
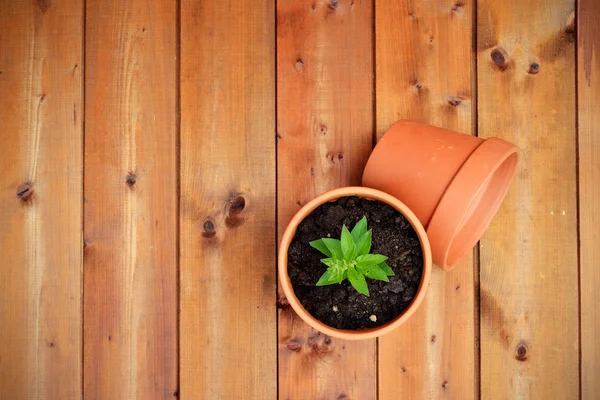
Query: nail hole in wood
[[322, 129]]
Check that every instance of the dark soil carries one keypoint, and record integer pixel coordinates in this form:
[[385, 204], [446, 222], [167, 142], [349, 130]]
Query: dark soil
[[341, 306]]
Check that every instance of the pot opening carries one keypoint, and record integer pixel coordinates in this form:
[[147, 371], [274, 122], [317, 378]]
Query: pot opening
[[482, 209]]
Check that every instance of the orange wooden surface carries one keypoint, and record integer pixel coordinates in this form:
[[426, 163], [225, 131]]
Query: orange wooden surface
[[528, 257], [324, 137], [423, 71], [41, 137], [130, 201], [588, 85], [228, 315], [152, 152]]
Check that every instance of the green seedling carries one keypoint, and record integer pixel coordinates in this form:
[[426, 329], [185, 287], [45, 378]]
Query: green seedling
[[349, 258]]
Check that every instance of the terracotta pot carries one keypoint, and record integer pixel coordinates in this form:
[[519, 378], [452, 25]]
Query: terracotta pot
[[286, 283], [453, 182]]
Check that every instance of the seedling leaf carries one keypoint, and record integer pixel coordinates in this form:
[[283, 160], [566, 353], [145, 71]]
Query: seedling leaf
[[321, 246]]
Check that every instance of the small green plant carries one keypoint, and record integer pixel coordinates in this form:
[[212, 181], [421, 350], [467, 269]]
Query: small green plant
[[349, 258]]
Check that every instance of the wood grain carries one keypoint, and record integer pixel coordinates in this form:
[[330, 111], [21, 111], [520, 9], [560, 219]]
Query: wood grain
[[423, 71], [529, 272], [130, 206], [40, 199], [228, 315], [588, 78], [324, 133]]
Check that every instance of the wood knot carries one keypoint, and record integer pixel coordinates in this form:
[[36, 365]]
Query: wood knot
[[235, 206], [521, 352], [534, 68], [333, 4], [455, 101], [130, 180], [282, 303], [293, 345], [499, 57], [44, 5], [570, 28], [25, 192], [209, 227], [457, 7], [313, 342]]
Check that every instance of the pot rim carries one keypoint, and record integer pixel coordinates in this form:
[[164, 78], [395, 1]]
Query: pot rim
[[333, 195], [471, 201]]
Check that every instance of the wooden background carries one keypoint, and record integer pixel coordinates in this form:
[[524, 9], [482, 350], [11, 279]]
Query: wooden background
[[151, 153]]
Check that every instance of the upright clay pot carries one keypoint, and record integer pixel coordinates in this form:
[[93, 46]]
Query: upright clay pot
[[453, 182], [286, 283]]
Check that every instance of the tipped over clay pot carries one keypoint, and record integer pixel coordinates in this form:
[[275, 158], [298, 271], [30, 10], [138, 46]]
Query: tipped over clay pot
[[453, 182], [331, 196]]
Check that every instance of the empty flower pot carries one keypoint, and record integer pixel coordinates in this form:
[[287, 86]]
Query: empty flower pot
[[453, 182]]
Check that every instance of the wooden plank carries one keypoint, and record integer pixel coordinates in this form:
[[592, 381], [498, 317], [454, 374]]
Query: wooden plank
[[40, 199], [588, 77], [227, 218], [529, 272], [423, 71], [130, 206], [324, 131]]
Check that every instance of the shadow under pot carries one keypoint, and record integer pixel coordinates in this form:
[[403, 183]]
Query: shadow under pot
[[354, 263]]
